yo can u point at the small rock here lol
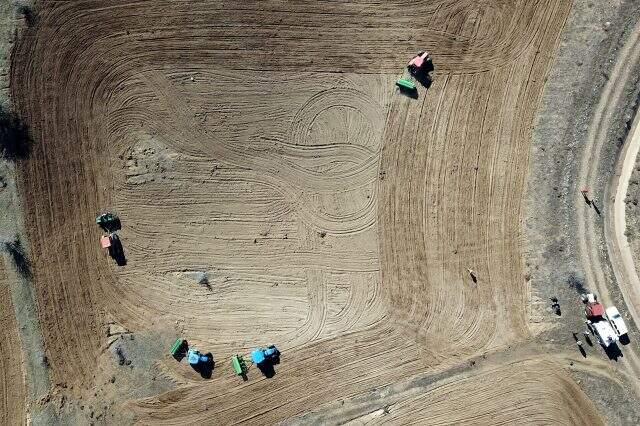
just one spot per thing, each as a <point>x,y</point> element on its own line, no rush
<point>112,379</point>
<point>116,329</point>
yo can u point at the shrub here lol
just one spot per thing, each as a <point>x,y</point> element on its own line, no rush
<point>15,140</point>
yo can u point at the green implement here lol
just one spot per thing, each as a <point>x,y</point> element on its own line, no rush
<point>238,364</point>
<point>405,84</point>
<point>178,347</point>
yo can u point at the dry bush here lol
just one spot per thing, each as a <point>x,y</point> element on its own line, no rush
<point>15,140</point>
<point>26,10</point>
<point>13,247</point>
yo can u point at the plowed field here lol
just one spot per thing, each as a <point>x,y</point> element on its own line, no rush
<point>262,144</point>
<point>561,401</point>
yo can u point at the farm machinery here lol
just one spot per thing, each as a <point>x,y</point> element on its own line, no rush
<point>239,366</point>
<point>110,223</point>
<point>179,348</point>
<point>264,359</point>
<point>270,355</point>
<point>606,324</point>
<point>420,65</point>
<point>200,362</point>
<point>197,359</point>
<point>419,68</point>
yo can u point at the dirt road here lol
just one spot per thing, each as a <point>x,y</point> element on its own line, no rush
<point>587,217</point>
<point>616,224</point>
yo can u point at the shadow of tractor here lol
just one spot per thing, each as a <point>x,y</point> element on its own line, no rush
<point>116,251</point>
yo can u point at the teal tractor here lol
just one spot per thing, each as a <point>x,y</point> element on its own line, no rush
<point>266,359</point>
<point>196,358</point>
<point>202,363</point>
<point>108,222</point>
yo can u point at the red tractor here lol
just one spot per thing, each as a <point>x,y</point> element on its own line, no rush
<point>420,66</point>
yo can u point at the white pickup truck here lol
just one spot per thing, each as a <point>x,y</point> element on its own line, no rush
<point>616,321</point>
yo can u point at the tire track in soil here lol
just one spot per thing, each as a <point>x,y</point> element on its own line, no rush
<point>487,398</point>
<point>90,100</point>
<point>588,176</point>
<point>12,376</point>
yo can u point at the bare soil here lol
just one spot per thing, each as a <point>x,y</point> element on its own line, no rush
<point>576,145</point>
<point>23,376</point>
<point>632,210</point>
<point>263,145</point>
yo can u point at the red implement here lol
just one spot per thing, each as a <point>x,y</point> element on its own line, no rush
<point>105,241</point>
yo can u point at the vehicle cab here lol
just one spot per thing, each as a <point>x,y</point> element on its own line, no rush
<point>616,321</point>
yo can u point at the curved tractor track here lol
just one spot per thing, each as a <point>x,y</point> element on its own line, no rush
<point>262,144</point>
<point>485,396</point>
<point>590,173</point>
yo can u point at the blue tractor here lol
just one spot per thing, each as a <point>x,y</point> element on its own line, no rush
<point>265,359</point>
<point>202,363</point>
<point>196,358</point>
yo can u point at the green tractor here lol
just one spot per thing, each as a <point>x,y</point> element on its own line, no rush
<point>108,222</point>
